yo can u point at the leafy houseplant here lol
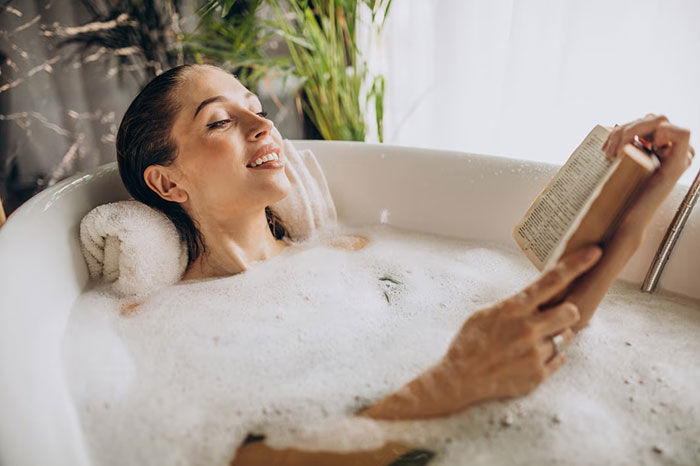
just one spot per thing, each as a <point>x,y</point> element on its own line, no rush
<point>336,88</point>
<point>322,39</point>
<point>230,34</point>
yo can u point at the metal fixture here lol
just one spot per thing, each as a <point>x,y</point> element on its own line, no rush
<point>671,236</point>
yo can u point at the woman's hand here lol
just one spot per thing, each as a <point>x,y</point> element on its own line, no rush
<point>672,144</point>
<point>675,155</point>
<point>503,351</point>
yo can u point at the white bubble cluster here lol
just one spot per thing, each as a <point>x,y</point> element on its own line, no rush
<point>295,345</point>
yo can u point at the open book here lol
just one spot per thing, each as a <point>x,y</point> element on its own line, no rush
<point>585,200</point>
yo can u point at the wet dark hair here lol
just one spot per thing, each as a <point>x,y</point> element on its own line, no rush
<point>144,140</point>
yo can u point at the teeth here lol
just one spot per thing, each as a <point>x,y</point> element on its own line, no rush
<point>266,158</point>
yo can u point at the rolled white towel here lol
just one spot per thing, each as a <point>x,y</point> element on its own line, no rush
<point>309,206</point>
<point>132,245</point>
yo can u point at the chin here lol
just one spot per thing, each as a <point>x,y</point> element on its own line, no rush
<point>279,190</point>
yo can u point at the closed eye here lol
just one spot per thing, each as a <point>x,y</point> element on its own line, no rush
<point>221,123</point>
<point>218,124</point>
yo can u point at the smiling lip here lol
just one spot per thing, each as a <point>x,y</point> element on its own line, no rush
<point>269,165</point>
<point>264,150</point>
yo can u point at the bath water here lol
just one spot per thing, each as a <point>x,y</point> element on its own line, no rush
<point>293,346</point>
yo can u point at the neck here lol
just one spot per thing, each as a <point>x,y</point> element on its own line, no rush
<point>232,245</point>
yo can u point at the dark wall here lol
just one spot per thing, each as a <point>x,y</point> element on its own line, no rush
<point>60,104</point>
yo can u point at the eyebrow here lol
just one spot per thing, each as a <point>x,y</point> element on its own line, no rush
<point>218,98</point>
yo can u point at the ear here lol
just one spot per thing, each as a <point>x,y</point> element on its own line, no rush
<point>160,180</point>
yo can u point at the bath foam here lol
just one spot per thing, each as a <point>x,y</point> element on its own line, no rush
<point>296,344</point>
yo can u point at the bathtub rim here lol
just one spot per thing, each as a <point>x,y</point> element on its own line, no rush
<point>68,444</point>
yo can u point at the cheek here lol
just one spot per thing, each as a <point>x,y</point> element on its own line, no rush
<point>223,148</point>
<point>218,156</point>
<point>214,168</point>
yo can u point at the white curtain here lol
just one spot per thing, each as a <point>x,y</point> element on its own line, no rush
<point>529,79</point>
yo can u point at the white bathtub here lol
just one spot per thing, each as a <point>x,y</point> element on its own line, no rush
<point>42,270</point>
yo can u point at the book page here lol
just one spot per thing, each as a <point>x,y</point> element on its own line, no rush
<point>609,202</point>
<point>556,208</point>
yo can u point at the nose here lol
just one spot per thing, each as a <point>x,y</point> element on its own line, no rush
<point>259,127</point>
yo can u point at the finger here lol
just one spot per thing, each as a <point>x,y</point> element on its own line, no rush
<point>674,137</point>
<point>611,140</point>
<point>557,279</point>
<point>642,127</point>
<point>554,364</point>
<point>555,319</point>
<point>545,349</point>
<point>605,144</point>
<point>626,133</point>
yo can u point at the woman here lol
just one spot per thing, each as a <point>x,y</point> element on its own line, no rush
<point>195,143</point>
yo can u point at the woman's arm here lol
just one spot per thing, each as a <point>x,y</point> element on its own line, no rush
<point>675,155</point>
<point>506,350</point>
<point>590,289</point>
<point>503,351</point>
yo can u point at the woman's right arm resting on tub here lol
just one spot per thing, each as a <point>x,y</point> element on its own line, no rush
<point>504,351</point>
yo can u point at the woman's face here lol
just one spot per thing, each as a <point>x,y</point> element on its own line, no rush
<point>218,131</point>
